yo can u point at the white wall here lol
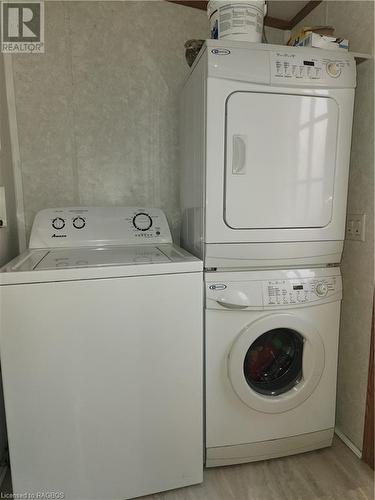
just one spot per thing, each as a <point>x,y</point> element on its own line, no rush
<point>355,20</point>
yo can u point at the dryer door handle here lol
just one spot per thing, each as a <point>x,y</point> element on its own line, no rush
<point>239,155</point>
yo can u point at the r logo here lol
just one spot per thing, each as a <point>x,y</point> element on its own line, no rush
<point>22,25</point>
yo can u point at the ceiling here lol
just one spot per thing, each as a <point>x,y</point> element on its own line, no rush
<point>285,10</point>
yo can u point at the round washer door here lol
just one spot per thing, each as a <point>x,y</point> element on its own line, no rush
<point>276,363</point>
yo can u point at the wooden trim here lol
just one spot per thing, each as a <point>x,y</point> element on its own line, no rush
<point>303,12</point>
<point>274,22</point>
<point>196,4</point>
<point>368,436</point>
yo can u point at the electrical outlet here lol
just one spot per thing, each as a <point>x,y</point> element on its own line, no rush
<point>355,227</point>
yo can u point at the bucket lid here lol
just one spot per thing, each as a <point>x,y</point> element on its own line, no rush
<point>213,5</point>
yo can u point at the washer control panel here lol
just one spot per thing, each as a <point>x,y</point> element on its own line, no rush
<point>272,289</point>
<point>299,291</point>
<point>58,223</point>
<point>93,226</point>
<point>327,70</point>
<point>142,221</point>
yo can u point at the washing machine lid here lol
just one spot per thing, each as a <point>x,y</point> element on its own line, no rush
<point>70,258</point>
<point>65,264</point>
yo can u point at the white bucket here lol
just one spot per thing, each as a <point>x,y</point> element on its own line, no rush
<point>237,20</point>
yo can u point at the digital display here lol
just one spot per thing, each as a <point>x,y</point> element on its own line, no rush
<point>297,287</point>
<point>308,63</point>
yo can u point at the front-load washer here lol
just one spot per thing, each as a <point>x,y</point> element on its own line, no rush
<point>271,362</point>
<point>265,147</point>
<point>102,380</point>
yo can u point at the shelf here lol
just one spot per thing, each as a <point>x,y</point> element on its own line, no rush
<point>359,57</point>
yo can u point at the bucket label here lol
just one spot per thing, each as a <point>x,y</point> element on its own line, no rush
<point>220,52</point>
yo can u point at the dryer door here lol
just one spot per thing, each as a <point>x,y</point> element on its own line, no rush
<point>276,362</point>
<point>280,160</point>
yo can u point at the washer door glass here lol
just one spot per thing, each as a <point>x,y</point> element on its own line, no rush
<point>276,362</point>
<point>273,363</point>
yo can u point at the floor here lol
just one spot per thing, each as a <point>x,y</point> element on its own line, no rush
<point>330,474</point>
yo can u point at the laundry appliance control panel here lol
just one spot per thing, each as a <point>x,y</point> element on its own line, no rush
<point>93,226</point>
<point>284,292</point>
<point>269,289</point>
<point>279,66</point>
<point>293,68</point>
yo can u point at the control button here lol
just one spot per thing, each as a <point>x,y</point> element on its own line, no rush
<point>321,289</point>
<point>142,221</point>
<point>79,222</point>
<point>287,69</point>
<point>333,69</point>
<point>58,223</point>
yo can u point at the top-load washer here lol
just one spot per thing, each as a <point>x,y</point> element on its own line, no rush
<point>265,141</point>
<point>102,380</point>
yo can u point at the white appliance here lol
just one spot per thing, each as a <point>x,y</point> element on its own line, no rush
<point>265,141</point>
<point>271,362</point>
<point>101,356</point>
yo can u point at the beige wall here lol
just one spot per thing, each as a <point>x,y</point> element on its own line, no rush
<point>98,112</point>
<point>275,36</point>
<point>355,20</point>
<point>8,234</point>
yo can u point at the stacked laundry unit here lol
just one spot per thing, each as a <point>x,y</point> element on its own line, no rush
<point>265,143</point>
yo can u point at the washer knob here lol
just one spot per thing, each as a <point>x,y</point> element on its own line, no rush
<point>58,223</point>
<point>321,289</point>
<point>79,222</point>
<point>142,221</point>
<point>333,69</point>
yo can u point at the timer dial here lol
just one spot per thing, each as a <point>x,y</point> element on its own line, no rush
<point>321,289</point>
<point>79,222</point>
<point>142,221</point>
<point>333,69</point>
<point>58,223</point>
